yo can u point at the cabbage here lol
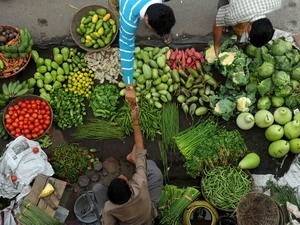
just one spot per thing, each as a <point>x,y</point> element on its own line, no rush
<point>280,47</point>
<point>250,50</point>
<point>265,87</point>
<point>283,91</point>
<point>280,79</point>
<point>296,73</point>
<point>266,69</point>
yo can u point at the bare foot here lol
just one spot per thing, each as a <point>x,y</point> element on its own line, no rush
<point>131,157</point>
<point>297,39</point>
<point>167,38</point>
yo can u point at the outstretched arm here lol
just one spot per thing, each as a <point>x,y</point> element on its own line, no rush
<point>217,36</point>
<point>138,136</point>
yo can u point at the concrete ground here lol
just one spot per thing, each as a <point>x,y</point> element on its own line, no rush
<point>49,20</point>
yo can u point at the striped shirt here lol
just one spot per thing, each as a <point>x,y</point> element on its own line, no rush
<point>240,11</point>
<point>131,11</point>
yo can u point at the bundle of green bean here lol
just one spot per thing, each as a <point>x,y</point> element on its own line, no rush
<point>149,118</point>
<point>169,128</point>
<point>225,186</point>
<point>206,145</point>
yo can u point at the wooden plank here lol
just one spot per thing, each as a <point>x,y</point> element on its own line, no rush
<point>48,204</point>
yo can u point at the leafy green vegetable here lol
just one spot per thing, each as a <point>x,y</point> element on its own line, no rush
<point>280,79</point>
<point>266,69</point>
<point>265,87</point>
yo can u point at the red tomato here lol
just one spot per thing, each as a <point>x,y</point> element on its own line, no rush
<point>13,178</point>
<point>35,150</point>
<point>8,121</point>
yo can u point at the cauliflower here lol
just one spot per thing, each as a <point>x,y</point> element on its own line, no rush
<point>210,55</point>
<point>243,103</point>
<point>226,58</point>
<point>224,108</point>
<point>239,78</point>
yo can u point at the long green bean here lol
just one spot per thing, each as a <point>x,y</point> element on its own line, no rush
<point>225,186</point>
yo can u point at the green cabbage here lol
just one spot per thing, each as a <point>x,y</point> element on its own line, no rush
<point>266,69</point>
<point>296,73</point>
<point>280,47</point>
<point>280,79</point>
<point>265,87</point>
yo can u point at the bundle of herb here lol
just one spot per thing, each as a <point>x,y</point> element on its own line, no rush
<point>206,145</point>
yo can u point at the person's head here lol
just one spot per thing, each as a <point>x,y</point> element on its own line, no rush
<point>118,191</point>
<point>261,32</point>
<point>160,18</point>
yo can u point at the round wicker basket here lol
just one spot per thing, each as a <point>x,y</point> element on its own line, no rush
<point>259,209</point>
<point>16,65</point>
<point>76,22</point>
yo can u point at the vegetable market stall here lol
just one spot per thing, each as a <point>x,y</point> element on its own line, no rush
<point>40,75</point>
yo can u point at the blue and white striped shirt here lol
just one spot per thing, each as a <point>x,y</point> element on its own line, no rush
<point>239,11</point>
<point>130,13</point>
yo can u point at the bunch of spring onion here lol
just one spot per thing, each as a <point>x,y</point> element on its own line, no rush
<point>33,215</point>
<point>169,128</point>
<point>177,204</point>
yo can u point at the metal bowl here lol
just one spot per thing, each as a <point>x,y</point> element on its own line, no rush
<point>77,20</point>
<point>23,98</point>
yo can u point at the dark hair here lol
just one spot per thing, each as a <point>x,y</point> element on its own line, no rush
<point>261,32</point>
<point>118,191</point>
<point>161,18</point>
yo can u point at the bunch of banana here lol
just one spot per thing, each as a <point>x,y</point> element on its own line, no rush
<point>3,133</point>
<point>22,48</point>
<point>14,89</point>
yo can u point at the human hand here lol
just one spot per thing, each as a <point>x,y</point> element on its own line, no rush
<point>130,96</point>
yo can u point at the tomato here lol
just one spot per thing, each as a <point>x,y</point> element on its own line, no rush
<point>35,150</point>
<point>38,101</point>
<point>34,135</point>
<point>7,116</point>
<point>43,103</point>
<point>28,136</point>
<point>47,121</point>
<point>8,121</point>
<point>15,124</point>
<point>13,178</point>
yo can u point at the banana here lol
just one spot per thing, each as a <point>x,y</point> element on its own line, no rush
<point>22,92</point>
<point>5,89</point>
<point>17,89</point>
<point>12,88</point>
<point>48,190</point>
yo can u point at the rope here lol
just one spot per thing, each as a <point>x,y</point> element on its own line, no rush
<point>200,204</point>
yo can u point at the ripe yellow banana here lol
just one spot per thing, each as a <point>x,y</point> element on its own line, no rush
<point>48,190</point>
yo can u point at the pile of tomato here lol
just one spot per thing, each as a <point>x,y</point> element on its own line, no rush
<point>29,118</point>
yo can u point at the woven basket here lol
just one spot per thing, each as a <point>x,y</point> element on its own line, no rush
<point>259,209</point>
<point>13,66</point>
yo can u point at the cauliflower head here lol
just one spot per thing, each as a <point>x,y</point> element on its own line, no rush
<point>243,103</point>
<point>226,58</point>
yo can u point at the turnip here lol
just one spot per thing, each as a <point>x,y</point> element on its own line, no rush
<point>292,129</point>
<point>295,145</point>
<point>282,115</point>
<point>263,118</point>
<point>279,148</point>
<point>274,132</point>
<point>245,121</point>
<point>250,161</point>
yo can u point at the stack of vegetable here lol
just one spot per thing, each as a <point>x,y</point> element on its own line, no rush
<point>97,28</point>
<point>152,76</point>
<point>52,73</point>
<point>206,145</point>
<point>70,161</point>
<point>233,64</point>
<point>225,186</point>
<point>149,119</point>
<point>276,74</point>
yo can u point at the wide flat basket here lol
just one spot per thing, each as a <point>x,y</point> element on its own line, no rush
<point>13,66</point>
<point>259,209</point>
<point>77,20</point>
